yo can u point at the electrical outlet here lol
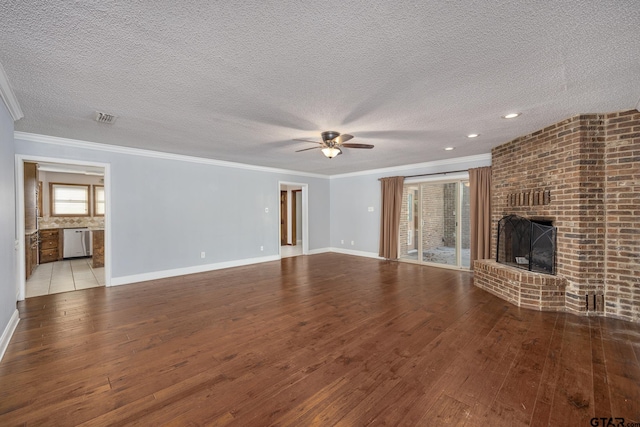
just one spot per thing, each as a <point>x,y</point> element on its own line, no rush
<point>262,248</point>
<point>202,254</point>
<point>342,242</point>
<point>266,210</point>
<point>353,243</point>
<point>370,209</point>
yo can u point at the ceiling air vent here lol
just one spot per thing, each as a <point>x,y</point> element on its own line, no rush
<point>105,118</point>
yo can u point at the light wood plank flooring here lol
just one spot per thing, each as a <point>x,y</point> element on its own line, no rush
<point>327,339</point>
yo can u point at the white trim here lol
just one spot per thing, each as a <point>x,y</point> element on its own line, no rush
<point>155,275</point>
<point>75,143</point>
<point>319,251</point>
<point>305,219</point>
<point>20,254</point>
<point>8,332</point>
<point>356,253</point>
<point>9,97</point>
<point>291,220</point>
<point>435,163</point>
<point>107,224</point>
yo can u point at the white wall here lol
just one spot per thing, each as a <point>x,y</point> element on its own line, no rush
<point>7,225</point>
<point>353,194</point>
<point>164,212</point>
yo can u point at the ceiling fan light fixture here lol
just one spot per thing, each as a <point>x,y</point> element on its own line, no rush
<point>329,135</point>
<point>331,152</point>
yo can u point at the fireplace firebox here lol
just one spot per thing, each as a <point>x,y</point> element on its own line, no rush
<point>527,244</point>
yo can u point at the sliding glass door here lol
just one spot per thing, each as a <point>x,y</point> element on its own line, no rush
<point>434,224</point>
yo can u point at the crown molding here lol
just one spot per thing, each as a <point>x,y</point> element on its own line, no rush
<point>9,98</point>
<point>75,143</point>
<point>426,165</point>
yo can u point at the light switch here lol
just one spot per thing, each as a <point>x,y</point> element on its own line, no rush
<point>370,209</point>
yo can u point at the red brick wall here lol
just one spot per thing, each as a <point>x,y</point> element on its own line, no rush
<point>622,201</point>
<point>580,161</point>
<point>433,216</point>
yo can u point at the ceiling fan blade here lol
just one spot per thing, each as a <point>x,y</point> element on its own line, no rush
<point>308,140</point>
<point>342,138</point>
<point>307,149</point>
<point>357,145</point>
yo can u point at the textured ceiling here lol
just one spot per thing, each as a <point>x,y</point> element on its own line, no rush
<point>237,81</point>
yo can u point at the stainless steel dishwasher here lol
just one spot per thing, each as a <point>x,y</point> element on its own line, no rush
<point>76,242</point>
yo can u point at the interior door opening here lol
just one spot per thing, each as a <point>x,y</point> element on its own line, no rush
<point>293,234</point>
<point>55,198</point>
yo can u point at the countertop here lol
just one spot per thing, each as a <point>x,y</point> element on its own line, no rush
<point>66,228</point>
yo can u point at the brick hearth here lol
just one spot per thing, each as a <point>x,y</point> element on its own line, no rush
<point>520,287</point>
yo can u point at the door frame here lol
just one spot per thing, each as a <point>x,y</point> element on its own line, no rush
<point>20,159</point>
<point>439,179</point>
<point>294,216</point>
<point>305,215</point>
<point>284,226</point>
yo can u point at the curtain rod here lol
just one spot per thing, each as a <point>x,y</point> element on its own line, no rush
<point>435,173</point>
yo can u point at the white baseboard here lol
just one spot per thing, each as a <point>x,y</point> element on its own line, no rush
<point>319,251</point>
<point>8,332</point>
<point>345,251</point>
<point>155,275</point>
<point>356,253</point>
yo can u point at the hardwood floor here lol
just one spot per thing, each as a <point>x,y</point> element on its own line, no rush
<point>326,339</point>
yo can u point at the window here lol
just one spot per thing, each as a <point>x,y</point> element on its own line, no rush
<point>98,200</point>
<point>69,199</point>
<point>435,223</point>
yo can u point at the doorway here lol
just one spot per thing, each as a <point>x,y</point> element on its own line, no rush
<point>435,223</point>
<point>69,196</point>
<point>284,218</point>
<point>293,215</point>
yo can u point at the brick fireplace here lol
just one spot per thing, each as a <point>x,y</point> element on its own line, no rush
<point>582,174</point>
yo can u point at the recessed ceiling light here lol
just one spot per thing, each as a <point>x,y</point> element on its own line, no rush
<point>473,135</point>
<point>511,115</point>
<point>448,149</point>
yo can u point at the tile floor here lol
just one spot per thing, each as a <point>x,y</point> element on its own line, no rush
<point>64,276</point>
<point>289,251</point>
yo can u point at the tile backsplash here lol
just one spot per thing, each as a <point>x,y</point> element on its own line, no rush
<point>93,222</point>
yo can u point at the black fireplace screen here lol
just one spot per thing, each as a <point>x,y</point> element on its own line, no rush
<point>526,244</point>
